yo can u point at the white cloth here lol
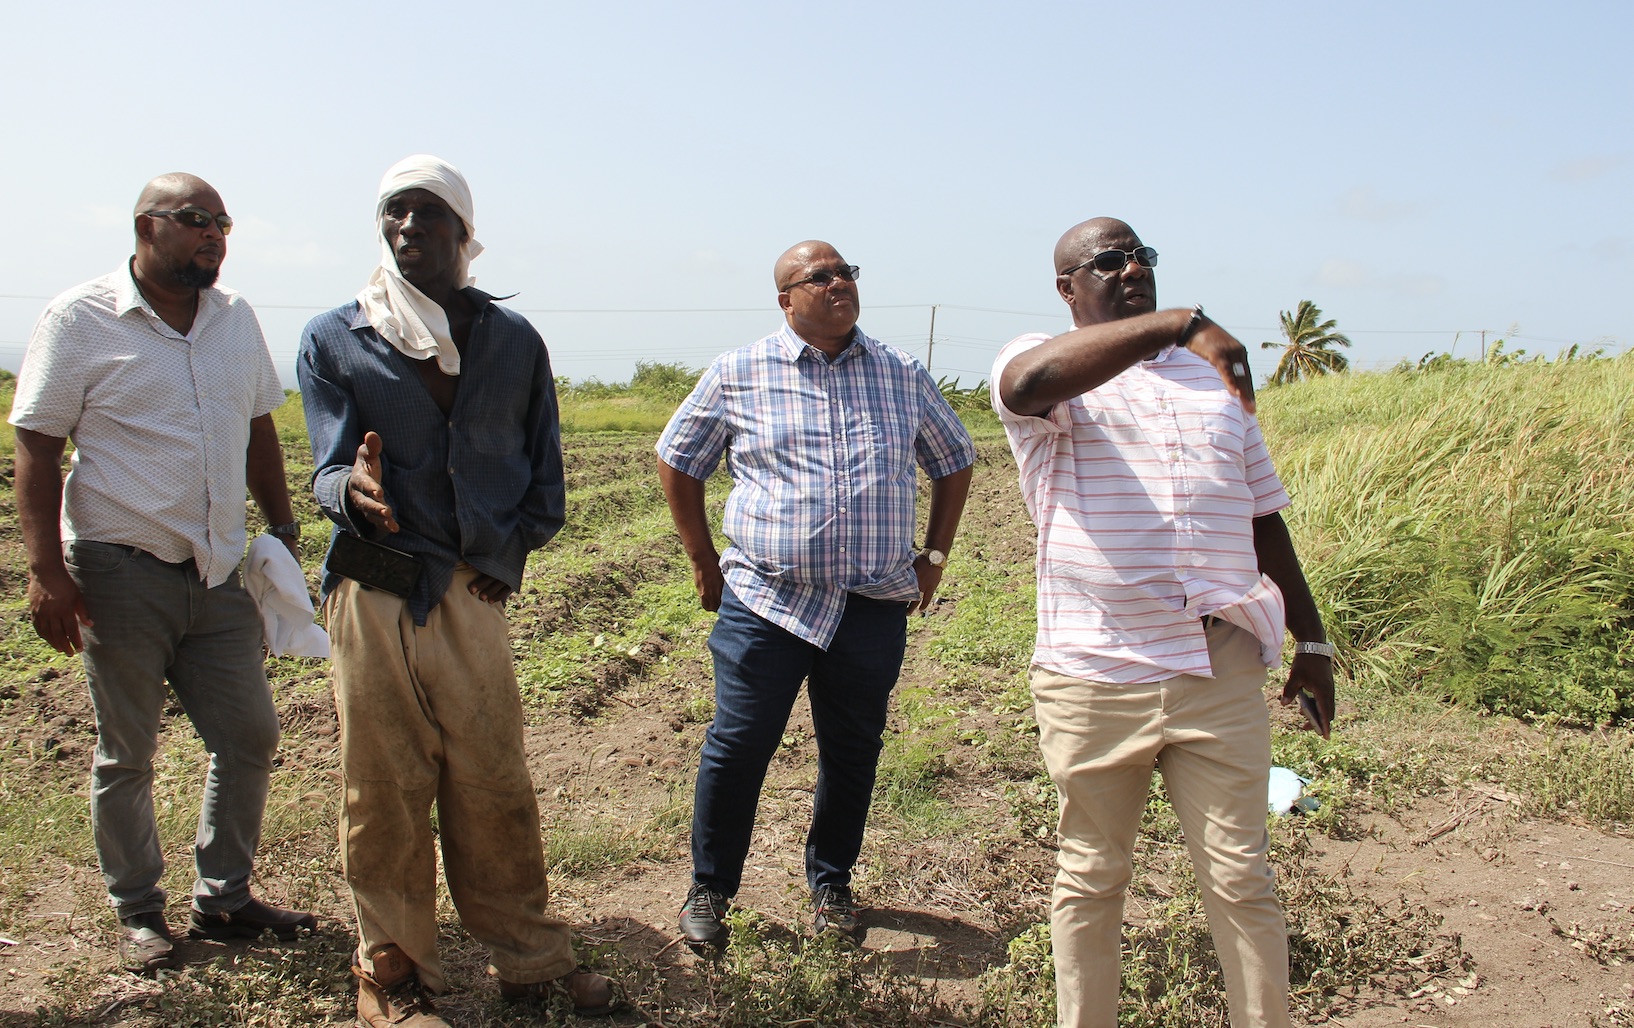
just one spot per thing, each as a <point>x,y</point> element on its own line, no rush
<point>406,318</point>
<point>275,582</point>
<point>160,421</point>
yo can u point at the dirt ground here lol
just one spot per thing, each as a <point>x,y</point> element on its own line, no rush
<point>1529,901</point>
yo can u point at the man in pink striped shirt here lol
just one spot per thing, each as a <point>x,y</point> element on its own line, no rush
<point>1165,579</point>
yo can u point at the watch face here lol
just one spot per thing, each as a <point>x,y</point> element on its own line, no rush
<point>936,557</point>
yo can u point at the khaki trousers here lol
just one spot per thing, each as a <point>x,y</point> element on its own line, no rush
<point>1211,740</point>
<point>431,715</point>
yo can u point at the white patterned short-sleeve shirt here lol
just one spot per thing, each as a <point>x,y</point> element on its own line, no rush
<point>1144,491</point>
<point>160,421</point>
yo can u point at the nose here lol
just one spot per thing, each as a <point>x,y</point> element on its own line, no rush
<point>1135,269</point>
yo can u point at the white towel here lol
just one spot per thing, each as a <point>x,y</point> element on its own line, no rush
<point>405,317</point>
<point>275,582</point>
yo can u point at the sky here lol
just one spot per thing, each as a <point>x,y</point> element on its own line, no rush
<point>1425,173</point>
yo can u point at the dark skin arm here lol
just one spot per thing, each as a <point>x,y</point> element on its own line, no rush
<point>54,602</point>
<point>1075,362</point>
<point>1310,673</point>
<point>947,504</point>
<point>685,496</point>
<point>264,472</point>
<point>367,498</point>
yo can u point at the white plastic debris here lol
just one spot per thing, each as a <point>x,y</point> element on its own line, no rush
<point>1287,793</point>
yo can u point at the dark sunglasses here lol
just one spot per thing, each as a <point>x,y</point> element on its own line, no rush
<point>195,217</point>
<point>1117,260</point>
<point>824,279</point>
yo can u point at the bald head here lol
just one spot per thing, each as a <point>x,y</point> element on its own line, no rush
<point>166,192</point>
<point>1083,240</point>
<point>797,257</point>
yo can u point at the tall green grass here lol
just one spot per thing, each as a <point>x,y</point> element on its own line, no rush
<point>1470,531</point>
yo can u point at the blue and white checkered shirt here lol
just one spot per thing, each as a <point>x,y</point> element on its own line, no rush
<point>822,456</point>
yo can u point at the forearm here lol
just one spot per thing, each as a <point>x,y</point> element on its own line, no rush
<point>264,472</point>
<point>947,504</point>
<point>1278,561</point>
<point>38,480</point>
<point>1080,360</point>
<point>685,496</point>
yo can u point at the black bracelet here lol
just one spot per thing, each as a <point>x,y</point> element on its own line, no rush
<point>1196,322</point>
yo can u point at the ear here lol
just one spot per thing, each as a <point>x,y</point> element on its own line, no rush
<point>144,228</point>
<point>1063,285</point>
<point>785,301</point>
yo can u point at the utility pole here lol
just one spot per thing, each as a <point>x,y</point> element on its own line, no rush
<point>930,347</point>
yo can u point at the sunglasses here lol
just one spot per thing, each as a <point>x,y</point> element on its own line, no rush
<point>824,279</point>
<point>195,217</point>
<point>1116,260</point>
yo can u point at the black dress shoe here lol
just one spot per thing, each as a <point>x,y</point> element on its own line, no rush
<point>249,921</point>
<point>147,945</point>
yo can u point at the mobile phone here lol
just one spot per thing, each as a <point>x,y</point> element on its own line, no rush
<point>1313,713</point>
<point>373,565</point>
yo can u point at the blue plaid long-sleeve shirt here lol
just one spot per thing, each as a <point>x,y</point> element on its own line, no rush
<point>822,456</point>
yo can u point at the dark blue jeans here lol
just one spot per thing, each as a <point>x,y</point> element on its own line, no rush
<point>758,671</point>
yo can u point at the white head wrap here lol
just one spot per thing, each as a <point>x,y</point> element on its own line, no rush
<point>405,317</point>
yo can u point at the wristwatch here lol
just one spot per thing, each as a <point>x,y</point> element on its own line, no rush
<point>289,531</point>
<point>936,557</point>
<point>1320,649</point>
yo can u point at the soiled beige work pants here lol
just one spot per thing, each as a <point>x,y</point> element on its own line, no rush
<point>432,715</point>
<point>1211,740</point>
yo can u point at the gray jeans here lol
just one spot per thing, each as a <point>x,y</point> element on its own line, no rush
<point>154,621</point>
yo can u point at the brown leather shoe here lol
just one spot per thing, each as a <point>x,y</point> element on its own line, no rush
<point>147,945</point>
<point>591,994</point>
<point>392,997</point>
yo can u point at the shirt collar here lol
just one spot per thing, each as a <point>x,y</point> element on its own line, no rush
<point>795,347</point>
<point>128,296</point>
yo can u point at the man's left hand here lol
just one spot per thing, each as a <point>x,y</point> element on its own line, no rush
<point>1312,673</point>
<point>930,576</point>
<point>489,589</point>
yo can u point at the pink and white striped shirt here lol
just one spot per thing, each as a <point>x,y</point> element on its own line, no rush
<point>1144,491</point>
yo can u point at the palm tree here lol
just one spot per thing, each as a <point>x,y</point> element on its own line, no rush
<point>1309,348</point>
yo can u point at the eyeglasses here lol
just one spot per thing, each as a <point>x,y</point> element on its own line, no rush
<point>1117,260</point>
<point>825,278</point>
<point>196,217</point>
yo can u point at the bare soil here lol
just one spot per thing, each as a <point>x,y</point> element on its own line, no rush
<point>1530,902</point>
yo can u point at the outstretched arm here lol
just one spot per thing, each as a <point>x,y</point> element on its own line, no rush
<point>1076,362</point>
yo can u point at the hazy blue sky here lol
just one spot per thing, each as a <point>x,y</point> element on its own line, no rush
<point>1416,169</point>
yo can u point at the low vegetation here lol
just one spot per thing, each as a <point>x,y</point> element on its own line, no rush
<point>1468,531</point>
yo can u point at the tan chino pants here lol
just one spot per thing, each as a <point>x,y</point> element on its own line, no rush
<point>1211,740</point>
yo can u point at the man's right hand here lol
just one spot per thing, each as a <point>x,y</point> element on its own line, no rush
<point>708,580</point>
<point>57,610</point>
<point>364,491</point>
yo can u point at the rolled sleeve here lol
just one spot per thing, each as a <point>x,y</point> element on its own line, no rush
<point>698,433</point>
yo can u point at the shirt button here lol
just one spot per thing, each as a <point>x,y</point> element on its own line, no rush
<point>842,549</point>
<point>450,471</point>
<point>1198,560</point>
<point>842,510</point>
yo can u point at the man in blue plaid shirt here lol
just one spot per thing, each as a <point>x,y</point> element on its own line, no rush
<point>822,428</point>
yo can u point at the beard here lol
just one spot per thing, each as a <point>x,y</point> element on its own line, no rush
<point>195,276</point>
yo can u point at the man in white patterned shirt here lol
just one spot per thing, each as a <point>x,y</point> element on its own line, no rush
<point>1165,577</point>
<point>822,427</point>
<point>164,383</point>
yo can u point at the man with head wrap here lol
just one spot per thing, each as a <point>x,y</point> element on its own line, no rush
<point>163,381</point>
<point>433,423</point>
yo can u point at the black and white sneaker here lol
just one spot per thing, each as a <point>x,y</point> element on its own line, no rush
<point>701,916</point>
<point>835,910</point>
